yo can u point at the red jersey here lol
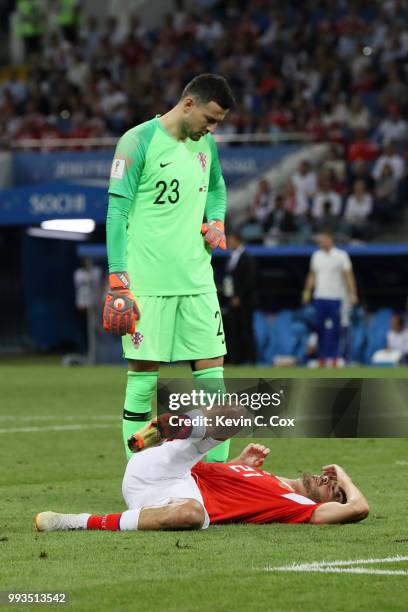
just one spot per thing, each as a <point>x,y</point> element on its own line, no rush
<point>235,493</point>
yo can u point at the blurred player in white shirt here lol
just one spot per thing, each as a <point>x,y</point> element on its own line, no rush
<point>330,281</point>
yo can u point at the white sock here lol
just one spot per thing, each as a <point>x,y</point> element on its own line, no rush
<point>129,520</point>
<point>83,520</point>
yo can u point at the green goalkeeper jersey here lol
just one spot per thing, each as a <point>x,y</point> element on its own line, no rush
<point>167,188</point>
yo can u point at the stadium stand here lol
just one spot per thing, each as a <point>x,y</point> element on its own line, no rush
<point>84,78</point>
<point>345,87</point>
<point>349,76</point>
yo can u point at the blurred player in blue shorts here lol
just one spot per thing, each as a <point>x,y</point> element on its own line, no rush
<point>330,281</point>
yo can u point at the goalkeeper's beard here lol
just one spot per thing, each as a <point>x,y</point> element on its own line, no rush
<point>187,132</point>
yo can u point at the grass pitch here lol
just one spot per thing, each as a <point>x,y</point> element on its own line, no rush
<point>61,449</point>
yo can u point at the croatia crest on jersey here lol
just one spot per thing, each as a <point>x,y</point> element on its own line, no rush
<point>202,158</point>
<point>137,339</point>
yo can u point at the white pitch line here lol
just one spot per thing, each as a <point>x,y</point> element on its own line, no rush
<point>55,428</point>
<point>343,570</point>
<point>396,559</point>
<point>341,566</point>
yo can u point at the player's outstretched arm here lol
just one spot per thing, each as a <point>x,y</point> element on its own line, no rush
<point>354,510</point>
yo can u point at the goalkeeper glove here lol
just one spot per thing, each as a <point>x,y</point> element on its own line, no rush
<point>214,234</point>
<point>121,311</point>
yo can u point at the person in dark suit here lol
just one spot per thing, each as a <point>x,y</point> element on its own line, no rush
<point>239,289</point>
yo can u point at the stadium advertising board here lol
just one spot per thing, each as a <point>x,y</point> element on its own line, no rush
<point>241,163</point>
<point>32,204</point>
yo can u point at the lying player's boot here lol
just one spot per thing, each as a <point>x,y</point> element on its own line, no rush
<point>54,521</point>
<point>146,437</point>
<point>159,430</point>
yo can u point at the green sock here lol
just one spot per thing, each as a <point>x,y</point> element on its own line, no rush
<point>212,380</point>
<point>137,412</point>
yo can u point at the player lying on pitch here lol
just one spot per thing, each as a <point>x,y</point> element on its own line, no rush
<point>168,487</point>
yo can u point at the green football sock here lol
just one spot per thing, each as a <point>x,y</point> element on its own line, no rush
<point>137,412</point>
<point>212,381</point>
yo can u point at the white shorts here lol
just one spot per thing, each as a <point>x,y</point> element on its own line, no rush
<point>161,475</point>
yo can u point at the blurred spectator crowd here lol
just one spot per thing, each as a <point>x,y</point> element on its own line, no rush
<point>334,68</point>
<point>352,199</point>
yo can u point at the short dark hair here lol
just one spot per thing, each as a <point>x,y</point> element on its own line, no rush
<point>210,88</point>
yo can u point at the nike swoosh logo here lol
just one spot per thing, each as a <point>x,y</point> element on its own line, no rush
<point>164,165</point>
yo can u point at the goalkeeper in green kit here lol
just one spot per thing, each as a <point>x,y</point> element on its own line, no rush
<point>167,202</point>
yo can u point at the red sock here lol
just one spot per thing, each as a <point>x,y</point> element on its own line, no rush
<point>106,522</point>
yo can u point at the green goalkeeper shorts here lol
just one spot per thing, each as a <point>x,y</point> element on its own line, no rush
<point>177,328</point>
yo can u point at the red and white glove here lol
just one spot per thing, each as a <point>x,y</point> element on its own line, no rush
<point>120,311</point>
<point>214,234</point>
